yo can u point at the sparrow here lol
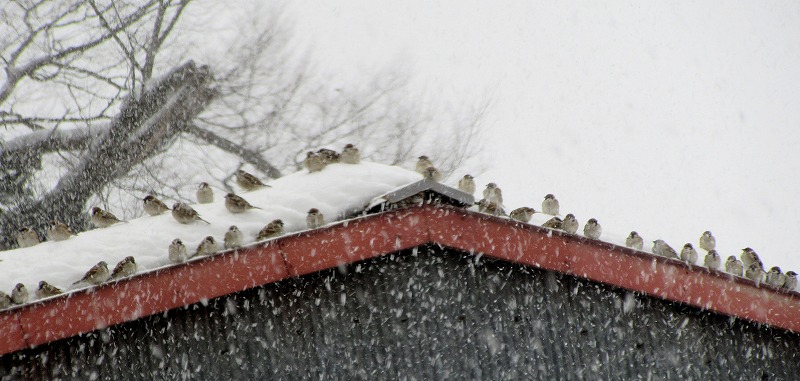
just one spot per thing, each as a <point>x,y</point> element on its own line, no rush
<point>26,237</point>
<point>707,241</point>
<point>205,195</point>
<point>493,194</point>
<point>689,254</point>
<point>47,290</point>
<point>207,246</point>
<point>177,251</point>
<point>734,266</point>
<point>431,173</point>
<point>553,223</point>
<point>570,224</point>
<point>791,281</point>
<point>248,182</point>
<point>754,272</point>
<point>550,205</point>
<point>184,213</point>
<point>5,300</point>
<point>58,231</point>
<point>153,206</point>
<point>350,155</point>
<point>489,207</point>
<point>233,237</point>
<point>634,241</point>
<point>712,260</point>
<point>313,163</point>
<point>592,229</point>
<point>103,219</point>
<point>273,229</point>
<point>775,277</point>
<point>328,156</point>
<point>663,249</point>
<point>97,274</point>
<point>19,295</point>
<point>422,164</point>
<point>748,257</point>
<point>314,219</point>
<point>467,184</point>
<point>523,214</point>
<point>126,267</point>
<point>236,204</point>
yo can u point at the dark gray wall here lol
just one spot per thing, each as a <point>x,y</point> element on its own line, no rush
<point>423,315</point>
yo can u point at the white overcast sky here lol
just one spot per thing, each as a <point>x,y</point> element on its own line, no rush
<point>669,118</point>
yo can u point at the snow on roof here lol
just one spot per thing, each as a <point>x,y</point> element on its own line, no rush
<point>335,191</point>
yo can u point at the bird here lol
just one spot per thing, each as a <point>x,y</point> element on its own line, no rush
<point>754,272</point>
<point>153,206</point>
<point>775,277</point>
<point>554,223</point>
<point>634,241</point>
<point>328,156</point>
<point>103,219</point>
<point>207,246</point>
<point>236,204</point>
<point>5,300</point>
<point>592,229</point>
<point>489,207</point>
<point>550,205</point>
<point>177,251</point>
<point>26,237</point>
<point>689,254</point>
<point>748,257</point>
<point>791,281</point>
<point>707,241</point>
<point>431,173</point>
<point>19,295</point>
<point>522,214</point>
<point>422,164</point>
<point>712,260</point>
<point>313,163</point>
<point>467,184</point>
<point>58,231</point>
<point>734,266</point>
<point>205,195</point>
<point>273,229</point>
<point>233,237</point>
<point>184,213</point>
<point>248,182</point>
<point>97,274</point>
<point>493,194</point>
<point>47,290</point>
<point>126,267</point>
<point>350,155</point>
<point>663,249</point>
<point>570,224</point>
<point>315,218</point>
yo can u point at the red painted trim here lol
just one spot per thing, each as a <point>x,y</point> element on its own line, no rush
<point>347,242</point>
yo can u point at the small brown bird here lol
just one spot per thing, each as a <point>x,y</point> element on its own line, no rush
<point>489,207</point>
<point>315,218</point>
<point>689,254</point>
<point>791,281</point>
<point>634,241</point>
<point>207,246</point>
<point>554,223</point>
<point>328,156</point>
<point>422,164</point>
<point>58,231</point>
<point>236,204</point>
<point>775,277</point>
<point>663,249</point>
<point>550,205</point>
<point>97,274</point>
<point>126,267</point>
<point>184,213</point>
<point>754,272</point>
<point>712,260</point>
<point>248,182</point>
<point>707,241</point>
<point>103,219</point>
<point>734,266</point>
<point>27,237</point>
<point>571,223</point>
<point>205,195</point>
<point>467,184</point>
<point>19,295</point>
<point>313,163</point>
<point>47,290</point>
<point>5,300</point>
<point>153,206</point>
<point>432,173</point>
<point>350,155</point>
<point>273,229</point>
<point>748,257</point>
<point>233,237</point>
<point>493,194</point>
<point>177,251</point>
<point>592,229</point>
<point>522,214</point>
